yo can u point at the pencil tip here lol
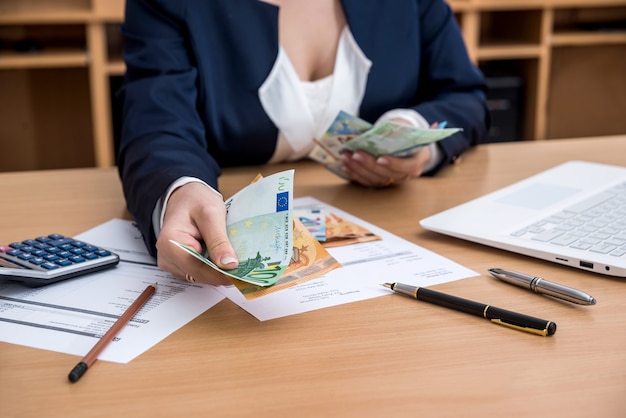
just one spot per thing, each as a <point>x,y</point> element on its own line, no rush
<point>593,301</point>
<point>387,285</point>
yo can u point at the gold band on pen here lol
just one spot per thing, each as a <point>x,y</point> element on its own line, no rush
<point>542,332</point>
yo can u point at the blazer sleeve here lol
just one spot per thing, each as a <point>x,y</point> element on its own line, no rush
<point>451,86</point>
<point>159,111</point>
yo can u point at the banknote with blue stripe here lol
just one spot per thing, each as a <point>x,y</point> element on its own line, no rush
<point>259,223</point>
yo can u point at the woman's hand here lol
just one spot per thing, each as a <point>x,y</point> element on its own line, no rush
<point>195,216</point>
<point>385,170</point>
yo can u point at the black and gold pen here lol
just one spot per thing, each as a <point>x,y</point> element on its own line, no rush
<point>499,316</point>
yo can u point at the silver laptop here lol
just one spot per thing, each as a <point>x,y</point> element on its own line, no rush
<point>573,214</point>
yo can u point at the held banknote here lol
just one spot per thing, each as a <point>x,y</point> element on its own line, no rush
<point>390,138</point>
<point>348,132</point>
<point>309,260</point>
<point>344,127</point>
<point>259,223</point>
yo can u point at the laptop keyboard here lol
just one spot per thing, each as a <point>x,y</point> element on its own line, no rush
<point>597,224</point>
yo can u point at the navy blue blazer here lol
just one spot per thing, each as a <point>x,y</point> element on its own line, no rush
<point>190,94</point>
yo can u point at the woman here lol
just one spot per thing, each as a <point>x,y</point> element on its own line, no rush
<point>219,83</point>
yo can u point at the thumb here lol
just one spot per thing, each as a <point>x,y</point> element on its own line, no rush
<point>219,248</point>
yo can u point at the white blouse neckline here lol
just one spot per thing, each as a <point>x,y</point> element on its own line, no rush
<point>303,110</point>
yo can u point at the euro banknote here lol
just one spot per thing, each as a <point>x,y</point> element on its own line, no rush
<point>259,223</point>
<point>351,133</point>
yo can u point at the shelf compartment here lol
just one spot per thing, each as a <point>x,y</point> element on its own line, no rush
<point>526,71</point>
<point>38,46</point>
<point>590,19</point>
<point>579,104</point>
<point>589,26</point>
<point>46,119</point>
<point>506,29</point>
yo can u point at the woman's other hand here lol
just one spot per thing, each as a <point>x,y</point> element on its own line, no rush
<point>385,170</point>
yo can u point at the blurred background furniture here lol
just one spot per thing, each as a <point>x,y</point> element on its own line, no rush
<point>556,68</point>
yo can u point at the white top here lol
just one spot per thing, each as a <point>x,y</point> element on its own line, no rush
<point>303,110</point>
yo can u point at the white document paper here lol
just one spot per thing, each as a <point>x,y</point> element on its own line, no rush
<point>70,316</point>
<point>365,266</point>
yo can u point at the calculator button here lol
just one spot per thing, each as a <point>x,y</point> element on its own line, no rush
<point>78,244</point>
<point>90,256</point>
<point>63,262</point>
<point>37,261</point>
<point>77,259</point>
<point>43,240</point>
<point>60,241</point>
<point>14,253</point>
<point>25,256</point>
<point>103,253</point>
<point>77,251</point>
<point>49,266</point>
<point>56,236</point>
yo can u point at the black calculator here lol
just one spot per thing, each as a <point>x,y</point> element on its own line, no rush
<point>51,258</point>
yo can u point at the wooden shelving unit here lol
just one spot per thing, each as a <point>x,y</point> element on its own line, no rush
<point>58,59</point>
<point>569,54</point>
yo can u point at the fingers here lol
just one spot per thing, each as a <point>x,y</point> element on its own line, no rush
<point>385,170</point>
<point>195,216</point>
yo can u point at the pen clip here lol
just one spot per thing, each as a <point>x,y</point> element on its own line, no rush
<point>542,332</point>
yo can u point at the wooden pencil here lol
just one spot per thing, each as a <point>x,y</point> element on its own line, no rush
<point>92,355</point>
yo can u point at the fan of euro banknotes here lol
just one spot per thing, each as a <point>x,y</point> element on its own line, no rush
<point>277,248</point>
<point>348,132</point>
<point>274,248</point>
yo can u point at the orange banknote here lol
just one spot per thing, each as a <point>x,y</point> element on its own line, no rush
<point>339,232</point>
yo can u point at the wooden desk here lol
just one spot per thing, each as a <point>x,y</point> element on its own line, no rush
<point>389,356</point>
